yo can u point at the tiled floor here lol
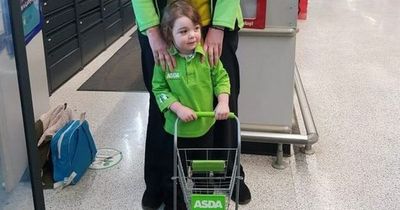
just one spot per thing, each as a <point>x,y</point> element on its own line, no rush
<point>118,120</point>
<point>348,55</point>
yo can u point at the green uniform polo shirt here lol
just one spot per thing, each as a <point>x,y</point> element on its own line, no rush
<point>193,83</point>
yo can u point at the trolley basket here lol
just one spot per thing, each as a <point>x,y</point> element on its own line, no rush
<point>207,183</point>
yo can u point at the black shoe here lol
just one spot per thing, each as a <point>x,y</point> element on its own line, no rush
<point>151,200</point>
<point>244,194</point>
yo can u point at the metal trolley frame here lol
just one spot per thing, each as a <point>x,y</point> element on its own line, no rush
<point>208,182</point>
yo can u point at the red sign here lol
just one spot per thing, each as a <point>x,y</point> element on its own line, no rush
<point>302,14</point>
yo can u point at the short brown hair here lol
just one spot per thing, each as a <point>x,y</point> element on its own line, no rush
<point>175,10</point>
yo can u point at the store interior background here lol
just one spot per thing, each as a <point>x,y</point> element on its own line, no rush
<point>347,53</point>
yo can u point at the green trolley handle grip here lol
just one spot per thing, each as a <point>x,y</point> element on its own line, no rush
<point>212,114</point>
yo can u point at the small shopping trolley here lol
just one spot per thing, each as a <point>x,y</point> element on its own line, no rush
<point>207,182</point>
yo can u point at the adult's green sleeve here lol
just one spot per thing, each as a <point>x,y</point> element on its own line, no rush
<point>226,13</point>
<point>145,13</point>
<point>161,90</point>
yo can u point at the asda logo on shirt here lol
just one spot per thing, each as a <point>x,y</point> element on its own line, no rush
<point>173,75</point>
<point>212,201</point>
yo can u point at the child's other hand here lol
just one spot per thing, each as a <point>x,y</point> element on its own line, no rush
<point>186,114</point>
<point>222,111</point>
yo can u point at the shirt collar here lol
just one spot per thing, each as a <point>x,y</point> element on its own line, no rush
<point>198,50</point>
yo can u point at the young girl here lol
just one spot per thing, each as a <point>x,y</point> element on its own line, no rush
<point>191,86</point>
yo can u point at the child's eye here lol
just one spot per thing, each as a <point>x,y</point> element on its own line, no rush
<point>183,31</point>
<point>197,28</point>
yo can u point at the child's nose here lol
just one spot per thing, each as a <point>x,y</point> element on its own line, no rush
<point>191,34</point>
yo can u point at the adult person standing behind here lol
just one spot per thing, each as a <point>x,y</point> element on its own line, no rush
<point>221,21</point>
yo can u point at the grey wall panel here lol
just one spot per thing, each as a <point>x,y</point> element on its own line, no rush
<point>266,59</point>
<point>282,13</point>
<point>266,71</point>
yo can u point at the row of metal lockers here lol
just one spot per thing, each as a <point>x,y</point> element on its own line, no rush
<point>76,31</point>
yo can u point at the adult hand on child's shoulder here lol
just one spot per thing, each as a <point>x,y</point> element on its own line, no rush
<point>160,49</point>
<point>213,45</point>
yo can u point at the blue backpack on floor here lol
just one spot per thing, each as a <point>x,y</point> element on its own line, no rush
<point>72,152</point>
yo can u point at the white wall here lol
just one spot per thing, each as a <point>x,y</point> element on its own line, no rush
<point>38,75</point>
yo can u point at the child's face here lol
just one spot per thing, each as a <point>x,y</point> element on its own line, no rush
<point>186,35</point>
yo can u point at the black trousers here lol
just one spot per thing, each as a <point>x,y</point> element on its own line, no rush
<point>225,131</point>
<point>158,152</point>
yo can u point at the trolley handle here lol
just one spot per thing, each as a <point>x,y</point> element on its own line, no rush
<point>212,114</point>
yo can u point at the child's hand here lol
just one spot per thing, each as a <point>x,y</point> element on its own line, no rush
<point>221,111</point>
<point>184,113</point>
